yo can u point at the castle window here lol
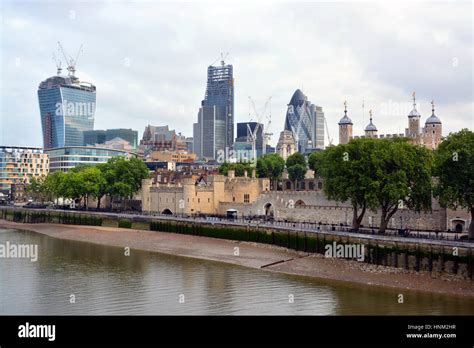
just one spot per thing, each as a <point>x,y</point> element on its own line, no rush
<point>199,200</point>
<point>320,185</point>
<point>433,132</point>
<point>246,198</point>
<point>233,199</point>
<point>208,200</point>
<point>311,185</point>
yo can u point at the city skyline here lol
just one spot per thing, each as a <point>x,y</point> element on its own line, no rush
<point>163,85</point>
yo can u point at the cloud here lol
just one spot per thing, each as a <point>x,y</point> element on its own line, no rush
<point>149,60</point>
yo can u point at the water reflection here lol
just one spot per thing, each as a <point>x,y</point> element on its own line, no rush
<point>105,281</point>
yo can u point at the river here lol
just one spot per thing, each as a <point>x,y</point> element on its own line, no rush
<point>104,282</point>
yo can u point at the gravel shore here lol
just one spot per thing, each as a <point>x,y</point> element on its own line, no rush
<point>253,255</point>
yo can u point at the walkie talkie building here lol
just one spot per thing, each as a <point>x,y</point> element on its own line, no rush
<point>67,108</point>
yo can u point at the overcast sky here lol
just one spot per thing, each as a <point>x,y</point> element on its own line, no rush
<point>149,60</point>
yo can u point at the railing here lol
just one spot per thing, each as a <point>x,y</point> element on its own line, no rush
<point>261,221</point>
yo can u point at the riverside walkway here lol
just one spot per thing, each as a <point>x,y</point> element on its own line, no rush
<point>447,239</point>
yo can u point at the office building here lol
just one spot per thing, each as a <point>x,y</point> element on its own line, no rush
<point>216,115</point>
<point>306,121</point>
<point>67,108</point>
<point>93,137</point>
<point>66,158</point>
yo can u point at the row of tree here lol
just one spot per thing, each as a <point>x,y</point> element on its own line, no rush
<point>119,177</point>
<point>387,174</point>
<point>383,174</point>
<point>270,166</point>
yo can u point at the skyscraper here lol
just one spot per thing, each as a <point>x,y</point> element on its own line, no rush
<point>306,121</point>
<point>216,115</point>
<point>244,135</point>
<point>67,107</point>
<point>210,132</point>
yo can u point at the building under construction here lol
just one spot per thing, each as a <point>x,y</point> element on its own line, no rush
<point>214,130</point>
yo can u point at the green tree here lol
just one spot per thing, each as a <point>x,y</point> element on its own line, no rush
<point>271,166</point>
<point>124,176</point>
<point>72,185</point>
<point>224,168</point>
<point>401,176</point>
<point>92,180</point>
<point>346,170</point>
<point>53,184</point>
<point>296,167</point>
<point>314,160</point>
<point>296,172</point>
<point>36,189</point>
<point>454,169</point>
<point>239,168</point>
<point>296,158</point>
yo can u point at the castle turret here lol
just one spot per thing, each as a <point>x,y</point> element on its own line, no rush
<point>433,130</point>
<point>413,130</point>
<point>345,127</point>
<point>371,129</point>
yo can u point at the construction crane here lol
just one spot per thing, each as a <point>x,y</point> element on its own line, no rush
<point>252,134</point>
<point>222,59</point>
<point>267,135</point>
<point>58,64</point>
<point>327,131</point>
<point>71,62</point>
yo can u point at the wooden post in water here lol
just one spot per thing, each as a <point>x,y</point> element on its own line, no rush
<point>430,262</point>
<point>417,258</point>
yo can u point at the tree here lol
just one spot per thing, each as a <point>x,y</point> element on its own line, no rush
<point>36,188</point>
<point>124,176</point>
<point>454,169</point>
<point>92,180</point>
<point>72,186</point>
<point>271,166</point>
<point>296,158</point>
<point>346,170</point>
<point>296,167</point>
<point>314,160</point>
<point>239,168</point>
<point>53,184</point>
<point>296,172</point>
<point>401,176</point>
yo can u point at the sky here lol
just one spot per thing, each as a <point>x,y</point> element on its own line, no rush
<point>149,60</point>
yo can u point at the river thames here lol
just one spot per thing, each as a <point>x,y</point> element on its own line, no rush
<point>105,282</point>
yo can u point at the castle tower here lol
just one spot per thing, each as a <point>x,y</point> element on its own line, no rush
<point>413,130</point>
<point>432,131</point>
<point>371,129</point>
<point>345,127</point>
<point>286,144</point>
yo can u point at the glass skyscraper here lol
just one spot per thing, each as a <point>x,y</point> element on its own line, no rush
<point>306,121</point>
<point>216,115</point>
<point>67,108</point>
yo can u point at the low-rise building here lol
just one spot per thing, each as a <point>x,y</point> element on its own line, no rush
<point>19,164</point>
<point>66,158</point>
<point>172,156</point>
